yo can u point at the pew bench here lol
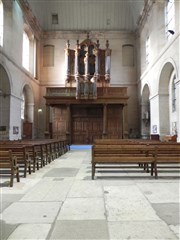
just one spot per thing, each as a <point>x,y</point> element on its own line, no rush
<point>106,154</point>
<point>8,165</point>
<point>22,157</point>
<point>167,154</point>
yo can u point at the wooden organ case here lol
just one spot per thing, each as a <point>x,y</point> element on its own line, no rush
<point>87,107</point>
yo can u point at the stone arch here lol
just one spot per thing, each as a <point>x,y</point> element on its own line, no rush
<point>165,77</point>
<point>5,93</point>
<point>28,112</point>
<point>145,112</point>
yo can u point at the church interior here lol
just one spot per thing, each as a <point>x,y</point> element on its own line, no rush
<point>51,52</point>
<point>89,119</point>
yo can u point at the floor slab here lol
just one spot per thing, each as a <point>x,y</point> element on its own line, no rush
<point>80,230</point>
<point>146,230</point>
<point>129,210</point>
<point>30,231</point>
<point>49,189</point>
<point>6,229</point>
<point>62,172</point>
<point>168,212</point>
<point>161,192</point>
<point>35,212</point>
<point>84,189</point>
<point>82,209</point>
<point>124,192</point>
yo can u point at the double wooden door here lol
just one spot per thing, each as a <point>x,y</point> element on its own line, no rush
<point>86,123</point>
<point>83,123</point>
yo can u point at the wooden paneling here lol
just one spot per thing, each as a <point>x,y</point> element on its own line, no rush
<point>114,121</point>
<point>86,123</point>
<point>27,130</point>
<point>59,121</point>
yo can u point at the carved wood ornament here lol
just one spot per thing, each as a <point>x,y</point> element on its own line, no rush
<point>87,67</point>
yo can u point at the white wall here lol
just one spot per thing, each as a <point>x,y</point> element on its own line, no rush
<point>162,52</point>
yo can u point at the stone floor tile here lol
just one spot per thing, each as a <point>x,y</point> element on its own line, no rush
<point>62,172</point>
<point>168,212</point>
<point>176,230</point>
<point>36,212</point>
<point>49,189</point>
<point>143,230</point>
<point>164,192</point>
<point>129,210</point>
<point>80,230</point>
<point>117,182</point>
<point>30,232</point>
<point>124,192</point>
<point>82,209</point>
<point>39,191</point>
<point>6,229</point>
<point>86,189</point>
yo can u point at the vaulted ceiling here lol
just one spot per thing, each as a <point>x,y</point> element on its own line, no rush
<point>87,14</point>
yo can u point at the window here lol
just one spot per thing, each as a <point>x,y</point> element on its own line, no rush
<point>55,18</point>
<point>26,48</point>
<point>29,51</point>
<point>170,18</point>
<point>173,92</point>
<point>1,23</point>
<point>147,50</point>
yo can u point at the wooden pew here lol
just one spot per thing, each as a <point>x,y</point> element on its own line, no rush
<point>8,165</point>
<point>167,154</point>
<point>37,152</point>
<point>164,152</point>
<point>22,156</point>
<point>106,154</point>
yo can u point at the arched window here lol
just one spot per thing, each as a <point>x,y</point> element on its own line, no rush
<point>1,23</point>
<point>170,18</point>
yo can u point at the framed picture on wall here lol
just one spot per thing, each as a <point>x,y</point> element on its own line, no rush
<point>15,130</point>
<point>154,128</point>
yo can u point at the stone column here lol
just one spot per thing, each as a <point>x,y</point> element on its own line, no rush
<point>107,62</point>
<point>68,123</point>
<point>47,134</point>
<point>77,51</point>
<point>67,62</point>
<point>178,110</point>
<point>86,81</point>
<point>96,53</point>
<point>77,77</point>
<point>104,121</point>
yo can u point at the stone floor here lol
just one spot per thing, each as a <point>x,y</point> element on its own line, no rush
<point>60,201</point>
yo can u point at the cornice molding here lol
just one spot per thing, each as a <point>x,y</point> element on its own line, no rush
<point>30,18</point>
<point>145,13</point>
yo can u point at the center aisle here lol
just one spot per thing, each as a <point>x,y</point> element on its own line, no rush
<point>61,202</point>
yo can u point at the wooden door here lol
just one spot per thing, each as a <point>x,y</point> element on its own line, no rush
<point>115,121</point>
<point>87,123</point>
<point>27,130</point>
<point>59,122</point>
